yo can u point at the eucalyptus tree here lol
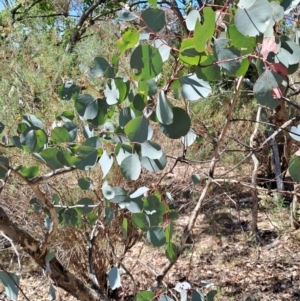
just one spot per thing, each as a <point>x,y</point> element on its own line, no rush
<point>114,124</point>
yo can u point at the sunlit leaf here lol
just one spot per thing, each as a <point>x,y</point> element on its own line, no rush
<point>253,17</point>
<point>204,32</point>
<point>194,88</point>
<point>137,129</point>
<point>191,19</point>
<point>131,167</point>
<point>147,61</point>
<point>114,278</point>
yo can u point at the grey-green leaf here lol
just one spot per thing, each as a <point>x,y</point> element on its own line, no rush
<point>264,86</point>
<point>154,165</point>
<point>100,66</point>
<point>86,106</point>
<point>179,127</point>
<point>229,54</point>
<point>87,205</point>
<point>254,17</point>
<point>151,150</point>
<point>194,88</point>
<point>106,161</point>
<point>164,111</point>
<point>154,19</point>
<point>156,236</point>
<point>11,284</point>
<point>131,167</point>
<point>108,191</point>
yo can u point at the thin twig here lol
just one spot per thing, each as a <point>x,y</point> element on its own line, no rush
<point>15,249</point>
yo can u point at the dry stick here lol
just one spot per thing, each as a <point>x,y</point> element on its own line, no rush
<point>195,213</point>
<point>45,202</point>
<point>254,173</point>
<point>15,249</point>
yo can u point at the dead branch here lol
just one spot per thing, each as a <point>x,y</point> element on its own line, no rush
<point>61,276</point>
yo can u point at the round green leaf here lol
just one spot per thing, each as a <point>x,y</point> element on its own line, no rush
<point>86,106</point>
<point>66,116</point>
<point>72,130</point>
<point>141,221</point>
<point>35,140</point>
<point>204,32</point>
<point>59,135</point>
<point>29,172</point>
<point>133,205</point>
<point>65,157</point>
<point>120,195</point>
<point>179,127</point>
<point>126,15</point>
<point>85,183</point>
<point>93,142</point>
<point>71,217</point>
<point>125,116</point>
<point>196,178</point>
<point>156,236</point>
<point>207,71</point>
<point>137,129</point>
<point>189,138</point>
<point>228,54</point>
<point>264,86</point>
<point>50,156</point>
<point>154,19</point>
<point>86,202</point>
<point>11,284</point>
<point>188,54</point>
<point>86,157</point>
<point>147,61</point>
<point>32,121</point>
<point>128,40</point>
